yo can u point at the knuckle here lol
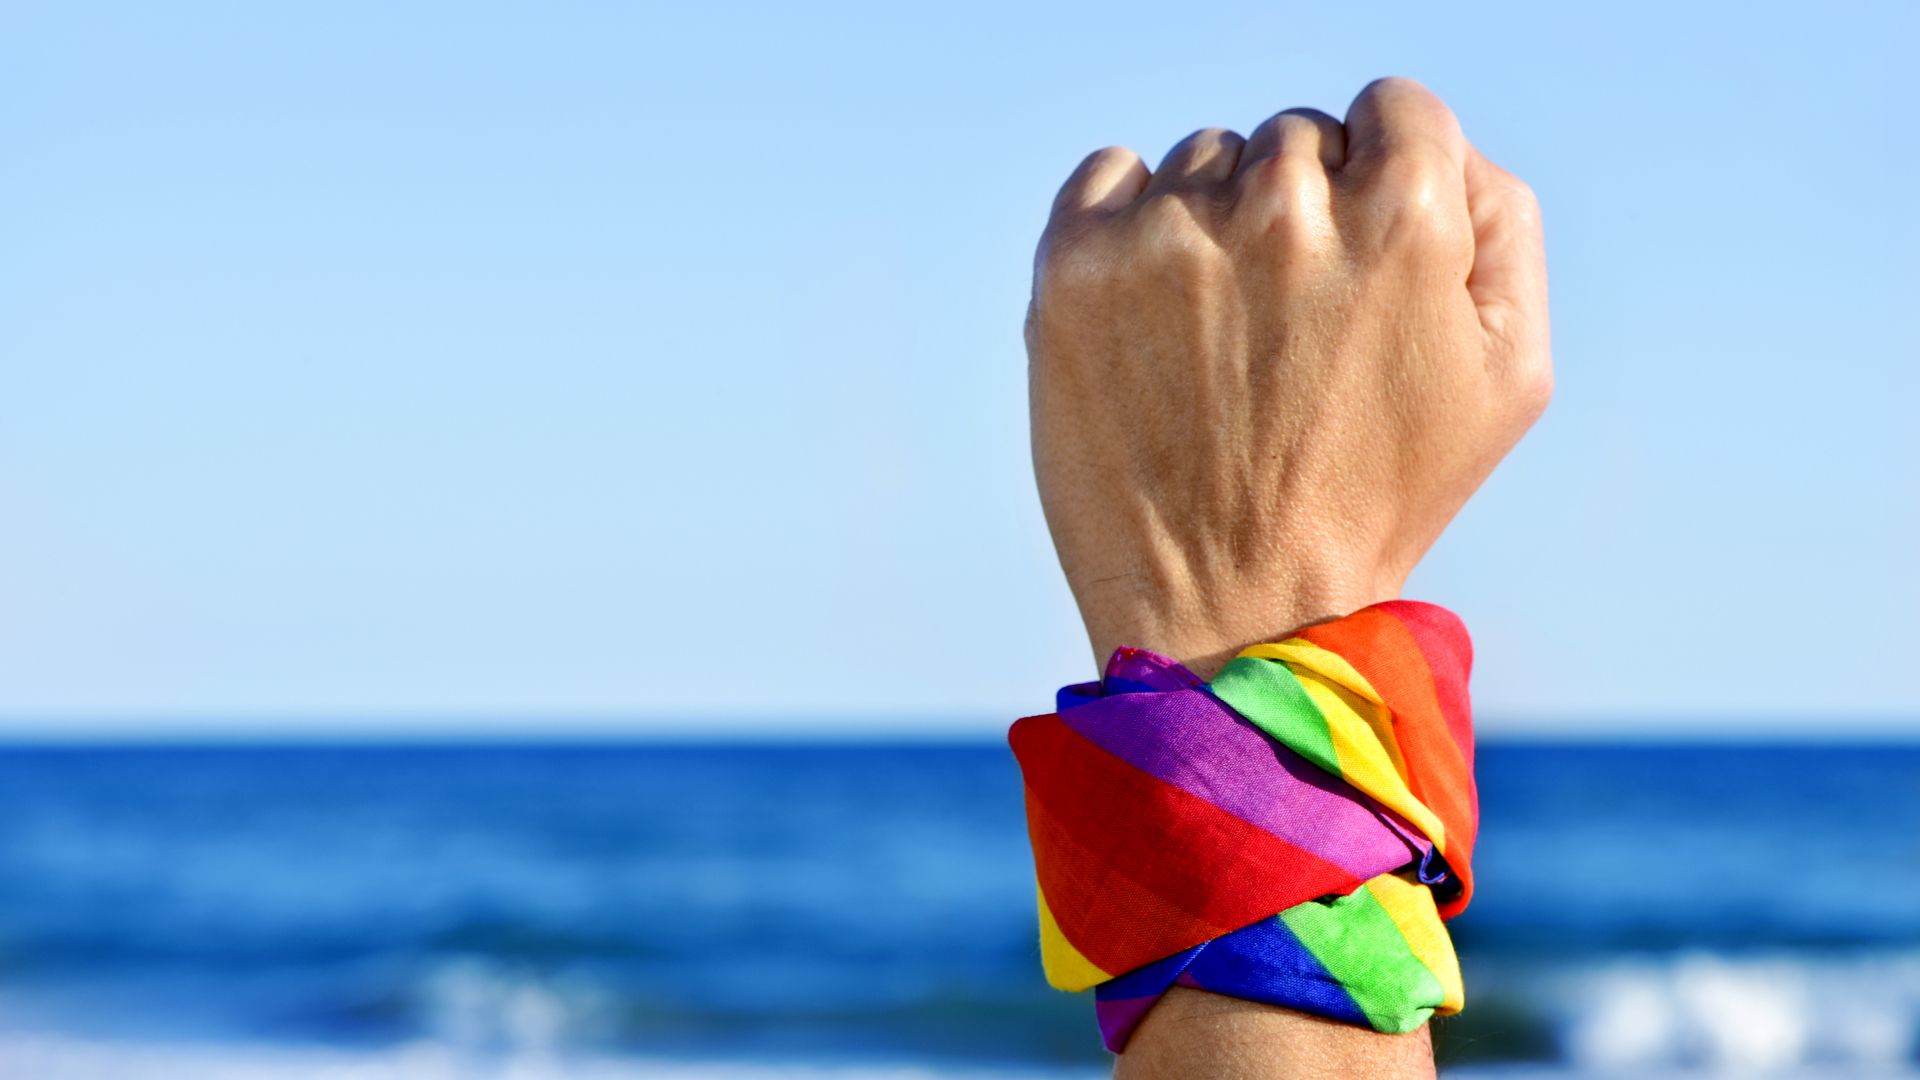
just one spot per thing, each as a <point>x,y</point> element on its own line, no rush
<point>1407,99</point>
<point>1401,113</point>
<point>1069,265</point>
<point>1170,219</point>
<point>1388,85</point>
<point>1286,198</point>
<point>1295,124</point>
<point>1107,155</point>
<point>1107,161</point>
<point>1317,117</point>
<point>1409,178</point>
<point>1182,146</point>
<point>1304,132</point>
<point>1164,236</point>
<point>1284,178</point>
<point>1409,208</point>
<point>1296,237</point>
<point>1201,148</point>
<point>1174,240</point>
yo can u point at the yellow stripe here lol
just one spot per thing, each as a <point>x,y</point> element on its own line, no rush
<point>1299,652</point>
<point>1331,666</point>
<point>1410,906</point>
<point>1066,968</point>
<point>1360,727</point>
<point>1364,760</point>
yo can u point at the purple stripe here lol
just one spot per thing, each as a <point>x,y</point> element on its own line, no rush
<point>1191,740</point>
<point>1118,1017</point>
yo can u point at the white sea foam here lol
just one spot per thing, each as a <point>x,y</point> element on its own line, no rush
<point>1556,1073</point>
<point>1687,1016</point>
<point>1746,1015</point>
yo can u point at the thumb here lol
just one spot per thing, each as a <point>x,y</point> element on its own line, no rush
<point>1508,281</point>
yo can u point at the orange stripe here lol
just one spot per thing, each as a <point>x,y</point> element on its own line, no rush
<point>1384,651</point>
<point>1443,640</point>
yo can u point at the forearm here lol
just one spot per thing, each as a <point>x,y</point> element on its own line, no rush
<point>1191,1033</point>
<point>1264,377</point>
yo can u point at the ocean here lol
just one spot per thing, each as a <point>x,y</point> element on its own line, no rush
<point>724,911</point>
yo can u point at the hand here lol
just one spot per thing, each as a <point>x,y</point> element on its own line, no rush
<point>1266,376</point>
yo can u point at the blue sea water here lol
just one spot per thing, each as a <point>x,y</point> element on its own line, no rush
<point>606,911</point>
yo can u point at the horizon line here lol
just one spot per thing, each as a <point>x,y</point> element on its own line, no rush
<point>532,728</point>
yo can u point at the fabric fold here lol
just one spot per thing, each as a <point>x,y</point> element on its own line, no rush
<point>1293,831</point>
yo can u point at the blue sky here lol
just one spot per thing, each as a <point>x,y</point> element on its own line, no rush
<point>440,366</point>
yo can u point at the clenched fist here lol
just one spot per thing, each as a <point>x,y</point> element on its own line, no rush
<point>1266,376</point>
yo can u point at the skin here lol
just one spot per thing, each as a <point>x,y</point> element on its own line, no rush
<point>1263,378</point>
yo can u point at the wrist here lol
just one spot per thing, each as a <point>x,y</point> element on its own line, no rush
<point>1205,628</point>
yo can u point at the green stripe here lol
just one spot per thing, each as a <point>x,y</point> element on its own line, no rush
<point>1358,943</point>
<point>1270,696</point>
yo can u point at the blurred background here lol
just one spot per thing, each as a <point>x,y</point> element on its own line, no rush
<point>519,548</point>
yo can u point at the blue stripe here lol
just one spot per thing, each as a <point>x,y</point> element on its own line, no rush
<point>1266,962</point>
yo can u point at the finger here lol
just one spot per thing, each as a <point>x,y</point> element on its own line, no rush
<point>1107,180</point>
<point>1284,183</point>
<point>1508,281</point>
<point>1399,118</point>
<point>1406,173</point>
<point>1309,133</point>
<point>1205,158</point>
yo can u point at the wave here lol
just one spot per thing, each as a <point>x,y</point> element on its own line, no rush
<point>1702,1013</point>
<point>529,913</point>
<point>68,1058</point>
<point>1678,1015</point>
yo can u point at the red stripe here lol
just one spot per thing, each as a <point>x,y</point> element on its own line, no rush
<point>1128,923</point>
<point>1136,869</point>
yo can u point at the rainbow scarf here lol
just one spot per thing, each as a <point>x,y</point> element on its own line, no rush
<point>1292,832</point>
